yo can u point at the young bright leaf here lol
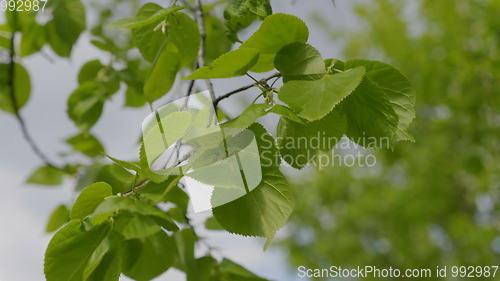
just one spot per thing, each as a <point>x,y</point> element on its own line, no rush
<point>89,199</point>
<point>149,257</point>
<point>85,104</point>
<point>117,204</point>
<point>5,36</point>
<point>70,249</point>
<point>163,74</point>
<point>217,43</point>
<point>312,100</point>
<point>119,179</point>
<point>183,33</point>
<point>299,59</point>
<point>46,175</point>
<point>248,117</point>
<point>276,32</point>
<point>58,218</point>
<point>33,39</point>
<point>396,88</point>
<point>22,86</point>
<point>266,208</point>
<point>87,144</point>
<point>69,22</point>
<point>287,113</point>
<point>149,39</point>
<point>232,64</point>
<point>89,71</point>
<point>239,14</point>
<point>142,20</point>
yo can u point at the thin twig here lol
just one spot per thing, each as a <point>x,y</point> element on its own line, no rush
<point>200,19</point>
<point>244,88</point>
<point>15,106</point>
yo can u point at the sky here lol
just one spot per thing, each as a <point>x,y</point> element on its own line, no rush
<point>24,209</point>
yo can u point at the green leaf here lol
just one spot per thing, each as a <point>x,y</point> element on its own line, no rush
<point>120,204</point>
<point>94,71</point>
<point>162,192</point>
<point>248,117</point>
<point>89,199</point>
<point>184,34</point>
<point>396,88</point>
<point>87,144</point>
<point>120,179</point>
<point>299,143</point>
<point>162,76</point>
<point>217,43</point>
<point>89,71</point>
<point>276,32</point>
<point>287,113</point>
<point>370,114</point>
<point>58,218</point>
<point>149,39</point>
<point>239,14</point>
<point>232,64</point>
<point>112,240</point>
<point>136,226</point>
<point>85,104</point>
<point>312,100</point>
<point>262,212</point>
<point>265,209</point>
<point>185,243</point>
<point>149,257</point>
<point>142,20</point>
<point>5,36</point>
<point>109,268</point>
<point>46,175</point>
<point>231,271</point>
<point>67,24</point>
<point>60,46</point>
<point>299,59</point>
<point>22,86</point>
<point>134,97</point>
<point>33,39</point>
<point>213,224</point>
<point>125,164</point>
<point>70,249</point>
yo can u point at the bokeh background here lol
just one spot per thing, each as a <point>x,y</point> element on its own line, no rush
<point>428,203</point>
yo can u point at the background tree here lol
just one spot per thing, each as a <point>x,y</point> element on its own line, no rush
<point>435,201</point>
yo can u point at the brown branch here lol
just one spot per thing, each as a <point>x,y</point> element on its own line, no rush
<point>15,105</point>
<point>244,88</point>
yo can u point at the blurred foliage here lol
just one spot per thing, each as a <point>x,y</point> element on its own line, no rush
<point>429,203</point>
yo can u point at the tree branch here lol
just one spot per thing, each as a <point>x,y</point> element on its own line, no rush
<point>244,88</point>
<point>15,106</point>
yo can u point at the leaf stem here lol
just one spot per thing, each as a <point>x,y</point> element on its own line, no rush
<point>244,88</point>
